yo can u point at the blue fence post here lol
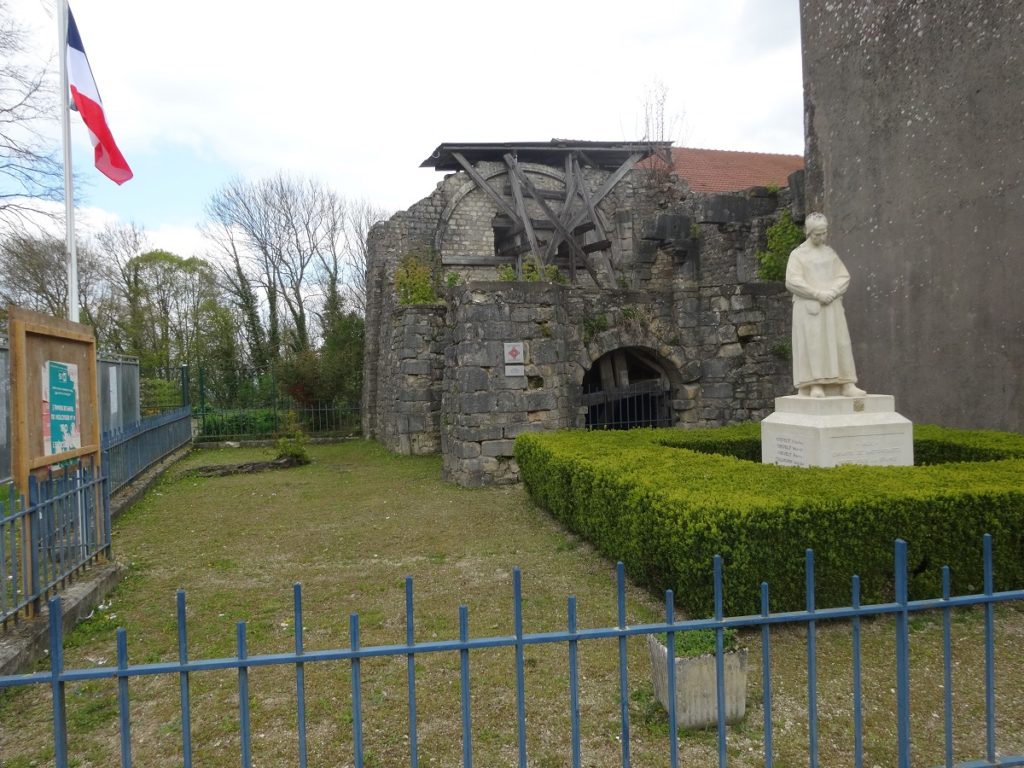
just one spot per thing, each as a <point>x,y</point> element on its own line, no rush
<point>32,544</point>
<point>720,660</point>
<point>60,724</point>
<point>812,663</point>
<point>947,666</point>
<point>467,730</point>
<point>620,580</point>
<point>670,647</point>
<point>902,657</point>
<point>300,676</point>
<point>990,657</point>
<point>410,663</point>
<point>122,698</point>
<point>357,692</point>
<point>517,608</point>
<point>183,684</point>
<point>574,682</point>
<point>243,697</point>
<point>766,676</point>
<point>858,715</point>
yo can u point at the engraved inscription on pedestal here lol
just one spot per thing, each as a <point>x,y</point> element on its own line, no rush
<point>790,451</point>
<point>881,449</point>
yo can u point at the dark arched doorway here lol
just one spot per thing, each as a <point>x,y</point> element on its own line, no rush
<point>625,389</point>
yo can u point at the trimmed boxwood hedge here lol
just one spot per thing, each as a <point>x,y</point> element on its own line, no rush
<point>666,501</point>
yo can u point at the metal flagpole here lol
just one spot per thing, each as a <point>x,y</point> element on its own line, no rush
<point>69,193</point>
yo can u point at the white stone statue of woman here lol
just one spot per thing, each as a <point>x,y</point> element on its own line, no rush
<point>822,354</point>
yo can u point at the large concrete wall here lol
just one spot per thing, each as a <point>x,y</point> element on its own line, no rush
<point>915,151</point>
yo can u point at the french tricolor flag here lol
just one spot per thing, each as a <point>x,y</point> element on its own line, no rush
<point>109,160</point>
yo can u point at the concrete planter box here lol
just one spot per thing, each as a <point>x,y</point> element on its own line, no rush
<point>696,686</point>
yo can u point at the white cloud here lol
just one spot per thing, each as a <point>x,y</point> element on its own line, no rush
<point>359,93</point>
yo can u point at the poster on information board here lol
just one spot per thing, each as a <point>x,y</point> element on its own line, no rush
<point>60,412</point>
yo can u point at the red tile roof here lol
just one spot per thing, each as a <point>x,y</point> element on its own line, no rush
<point>719,170</point>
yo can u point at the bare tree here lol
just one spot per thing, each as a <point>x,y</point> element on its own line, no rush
<point>30,168</point>
<point>362,216</point>
<point>32,275</point>
<point>277,234</point>
<point>122,245</point>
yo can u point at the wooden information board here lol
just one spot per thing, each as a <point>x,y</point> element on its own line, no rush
<point>54,400</point>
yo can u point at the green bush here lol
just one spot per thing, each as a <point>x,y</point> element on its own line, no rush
<point>507,273</point>
<point>416,279</point>
<point>666,501</point>
<point>783,237</point>
<point>248,422</point>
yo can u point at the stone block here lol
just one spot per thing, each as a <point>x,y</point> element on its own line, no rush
<point>541,401</point>
<point>478,402</point>
<point>730,350</point>
<point>497,447</point>
<point>479,434</point>
<point>485,353</point>
<point>514,430</point>
<point>829,431</point>
<point>727,334</point>
<point>722,391</point>
<point>725,209</point>
<point>747,316</point>
<point>471,378</point>
<point>667,226</point>
<point>418,367</point>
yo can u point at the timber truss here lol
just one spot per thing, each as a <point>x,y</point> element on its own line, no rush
<point>564,226</point>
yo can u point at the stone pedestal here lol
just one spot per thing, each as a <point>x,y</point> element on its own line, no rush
<point>829,431</point>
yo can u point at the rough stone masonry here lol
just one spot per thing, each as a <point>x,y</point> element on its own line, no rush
<point>668,326</point>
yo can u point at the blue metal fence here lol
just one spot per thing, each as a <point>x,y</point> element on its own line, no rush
<point>130,451</point>
<point>43,543</point>
<point>65,524</point>
<point>900,608</point>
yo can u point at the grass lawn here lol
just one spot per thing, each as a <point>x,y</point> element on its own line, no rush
<point>350,527</point>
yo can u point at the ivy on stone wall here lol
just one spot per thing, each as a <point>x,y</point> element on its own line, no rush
<point>783,237</point>
<point>415,280</point>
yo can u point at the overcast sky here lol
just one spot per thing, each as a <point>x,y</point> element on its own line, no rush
<point>359,94</point>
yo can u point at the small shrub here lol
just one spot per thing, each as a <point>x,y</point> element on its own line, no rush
<point>592,326</point>
<point>783,236</point>
<point>700,642</point>
<point>293,449</point>
<point>291,445</point>
<point>551,273</point>
<point>414,280</point>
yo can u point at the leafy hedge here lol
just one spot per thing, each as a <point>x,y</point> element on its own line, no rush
<point>666,501</point>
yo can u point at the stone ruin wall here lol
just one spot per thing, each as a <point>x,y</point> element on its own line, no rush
<point>687,293</point>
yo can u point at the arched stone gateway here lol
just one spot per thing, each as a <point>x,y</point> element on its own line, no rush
<point>627,388</point>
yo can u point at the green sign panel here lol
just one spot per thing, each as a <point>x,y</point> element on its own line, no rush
<point>61,423</point>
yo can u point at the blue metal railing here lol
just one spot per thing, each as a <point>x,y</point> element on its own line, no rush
<point>65,523</point>
<point>63,528</point>
<point>242,663</point>
<point>130,451</point>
